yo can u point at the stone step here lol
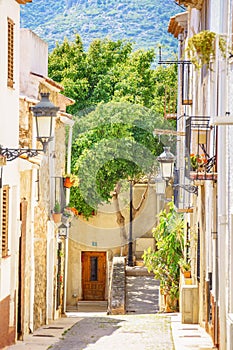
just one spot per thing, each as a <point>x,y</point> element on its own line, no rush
<point>138,271</point>
<point>142,294</point>
<point>89,306</point>
<point>139,262</point>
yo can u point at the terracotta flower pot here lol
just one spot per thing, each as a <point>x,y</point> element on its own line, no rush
<point>187,274</point>
<point>56,217</point>
<point>68,183</point>
<point>171,304</point>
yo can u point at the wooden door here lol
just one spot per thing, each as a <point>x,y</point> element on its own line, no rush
<point>93,275</point>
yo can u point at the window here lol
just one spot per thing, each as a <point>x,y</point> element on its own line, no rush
<point>10,67</point>
<point>94,268</point>
<point>5,213</point>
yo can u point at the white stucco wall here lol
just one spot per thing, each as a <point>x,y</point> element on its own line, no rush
<point>9,96</point>
<point>34,59</point>
<point>9,131</point>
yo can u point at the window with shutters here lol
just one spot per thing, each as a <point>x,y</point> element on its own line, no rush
<point>5,214</point>
<point>10,67</point>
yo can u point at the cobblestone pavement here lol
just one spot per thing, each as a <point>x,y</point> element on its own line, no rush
<point>97,331</point>
<point>131,332</point>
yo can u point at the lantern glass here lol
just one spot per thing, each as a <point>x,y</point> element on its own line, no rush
<point>167,170</point>
<point>160,184</point>
<point>166,160</point>
<point>44,127</point>
<point>45,112</point>
<point>63,231</point>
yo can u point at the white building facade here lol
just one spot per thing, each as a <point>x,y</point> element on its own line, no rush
<point>211,225</point>
<point>9,188</point>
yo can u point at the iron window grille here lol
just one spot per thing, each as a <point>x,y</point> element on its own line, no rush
<point>200,149</point>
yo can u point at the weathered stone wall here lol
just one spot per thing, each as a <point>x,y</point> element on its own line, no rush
<point>116,300</point>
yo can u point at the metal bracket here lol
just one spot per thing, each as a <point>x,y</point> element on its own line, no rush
<point>189,188</point>
<point>13,153</point>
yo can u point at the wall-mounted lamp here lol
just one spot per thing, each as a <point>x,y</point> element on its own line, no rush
<point>160,184</point>
<point>63,231</point>
<point>167,160</point>
<point>44,113</point>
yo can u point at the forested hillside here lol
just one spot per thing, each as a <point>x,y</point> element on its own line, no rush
<point>143,22</point>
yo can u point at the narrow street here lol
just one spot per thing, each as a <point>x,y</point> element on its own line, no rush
<point>93,329</point>
<point>97,330</point>
<point>118,332</point>
<point>87,325</point>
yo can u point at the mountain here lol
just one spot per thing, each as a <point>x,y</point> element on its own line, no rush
<point>144,22</point>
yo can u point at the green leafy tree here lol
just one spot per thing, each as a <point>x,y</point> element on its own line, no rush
<point>165,88</point>
<point>115,90</point>
<point>111,71</point>
<point>115,143</point>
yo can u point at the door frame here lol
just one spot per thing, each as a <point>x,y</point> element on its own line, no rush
<point>104,270</point>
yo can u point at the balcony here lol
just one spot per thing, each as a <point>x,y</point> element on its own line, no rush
<point>200,149</point>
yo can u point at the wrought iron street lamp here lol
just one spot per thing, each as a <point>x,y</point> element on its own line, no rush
<point>44,112</point>
<point>167,160</point>
<point>63,231</point>
<point>160,184</point>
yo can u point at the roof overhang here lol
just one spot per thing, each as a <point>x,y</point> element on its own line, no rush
<point>178,24</point>
<point>23,2</point>
<point>48,81</point>
<point>66,100</point>
<point>192,3</point>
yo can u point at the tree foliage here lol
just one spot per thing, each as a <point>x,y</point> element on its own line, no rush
<point>119,103</point>
<point>114,142</point>
<point>107,71</point>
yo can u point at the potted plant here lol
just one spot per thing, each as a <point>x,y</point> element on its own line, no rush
<point>185,267</point>
<point>68,214</point>
<point>198,162</point>
<point>57,212</point>
<point>70,180</point>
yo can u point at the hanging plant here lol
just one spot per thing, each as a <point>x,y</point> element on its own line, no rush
<point>201,48</point>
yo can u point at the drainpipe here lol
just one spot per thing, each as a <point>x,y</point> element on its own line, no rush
<point>32,266</point>
<point>222,188</point>
<point>68,165</point>
<point>68,170</point>
<point>180,124</point>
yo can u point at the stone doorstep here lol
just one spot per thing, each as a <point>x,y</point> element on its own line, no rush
<point>93,302</point>
<point>139,262</point>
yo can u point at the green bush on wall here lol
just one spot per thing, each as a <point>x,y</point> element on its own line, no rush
<point>201,48</point>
